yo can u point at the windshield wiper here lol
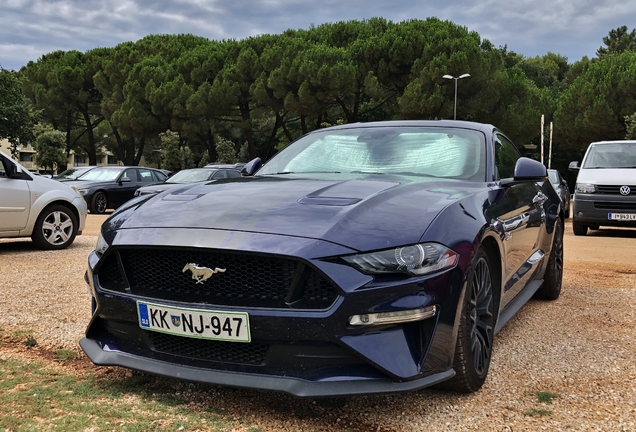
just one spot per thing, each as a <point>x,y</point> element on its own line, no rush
<point>304,172</point>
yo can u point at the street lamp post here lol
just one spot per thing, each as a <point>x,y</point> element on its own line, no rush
<point>456,79</point>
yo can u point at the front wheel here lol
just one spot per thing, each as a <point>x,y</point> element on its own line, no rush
<point>99,203</point>
<point>578,228</point>
<point>553,279</point>
<point>55,228</point>
<point>475,335</point>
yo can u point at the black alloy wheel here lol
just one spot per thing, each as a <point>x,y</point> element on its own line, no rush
<point>99,203</point>
<point>553,278</point>
<point>476,331</point>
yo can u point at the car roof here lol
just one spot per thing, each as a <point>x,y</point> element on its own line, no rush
<point>460,124</point>
<point>614,142</point>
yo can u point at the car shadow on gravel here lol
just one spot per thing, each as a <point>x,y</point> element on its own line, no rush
<point>612,232</point>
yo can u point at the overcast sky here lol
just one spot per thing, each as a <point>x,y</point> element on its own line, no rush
<point>31,28</point>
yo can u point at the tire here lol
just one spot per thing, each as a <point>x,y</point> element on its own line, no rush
<point>578,228</point>
<point>99,203</point>
<point>55,228</point>
<point>566,212</point>
<point>553,278</point>
<point>473,350</point>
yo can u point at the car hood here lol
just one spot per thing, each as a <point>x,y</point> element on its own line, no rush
<point>88,184</point>
<point>360,214</point>
<point>161,187</point>
<point>607,176</point>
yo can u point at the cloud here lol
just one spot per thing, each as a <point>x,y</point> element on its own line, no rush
<point>31,28</point>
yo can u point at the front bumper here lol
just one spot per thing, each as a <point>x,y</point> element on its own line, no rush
<point>294,386</point>
<point>307,353</point>
<point>595,209</point>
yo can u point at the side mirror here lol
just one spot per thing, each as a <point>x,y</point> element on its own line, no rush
<point>574,166</point>
<point>124,180</point>
<point>251,167</point>
<point>530,169</point>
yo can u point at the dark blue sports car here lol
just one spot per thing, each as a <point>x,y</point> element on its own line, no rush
<point>364,258</point>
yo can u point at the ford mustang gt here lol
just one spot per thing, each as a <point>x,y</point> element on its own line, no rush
<point>363,258</point>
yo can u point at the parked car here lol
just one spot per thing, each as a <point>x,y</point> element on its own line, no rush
<point>109,187</point>
<point>562,189</point>
<point>51,213</point>
<point>605,191</point>
<point>363,258</point>
<point>73,173</point>
<point>192,175</point>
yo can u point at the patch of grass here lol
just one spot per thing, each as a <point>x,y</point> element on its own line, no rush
<point>30,342</point>
<point>65,355</point>
<point>34,397</point>
<point>537,413</point>
<point>544,396</point>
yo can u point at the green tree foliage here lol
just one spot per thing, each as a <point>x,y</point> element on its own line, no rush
<point>630,122</point>
<point>617,41</point>
<point>61,85</point>
<point>172,156</point>
<point>16,116</point>
<point>594,107</point>
<point>265,91</point>
<point>49,144</point>
<point>225,151</point>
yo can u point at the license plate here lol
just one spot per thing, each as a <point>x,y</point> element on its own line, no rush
<point>194,323</point>
<point>622,216</point>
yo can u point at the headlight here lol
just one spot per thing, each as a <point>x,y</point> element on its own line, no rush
<point>415,259</point>
<point>585,188</point>
<point>102,245</point>
<point>77,191</point>
<point>83,191</point>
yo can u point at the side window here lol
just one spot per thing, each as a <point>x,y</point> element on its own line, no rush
<point>131,174</point>
<point>506,155</point>
<point>3,168</point>
<point>233,174</point>
<point>159,176</point>
<point>221,174</point>
<point>145,176</point>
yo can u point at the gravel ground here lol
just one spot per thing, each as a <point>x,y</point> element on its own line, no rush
<point>580,347</point>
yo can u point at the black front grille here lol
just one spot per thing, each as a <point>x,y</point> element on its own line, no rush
<point>249,280</point>
<point>209,350</point>
<point>615,206</point>
<point>613,190</point>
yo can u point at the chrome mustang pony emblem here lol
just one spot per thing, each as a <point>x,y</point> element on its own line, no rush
<point>201,274</point>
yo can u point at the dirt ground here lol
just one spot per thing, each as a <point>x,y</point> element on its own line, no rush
<point>580,347</point>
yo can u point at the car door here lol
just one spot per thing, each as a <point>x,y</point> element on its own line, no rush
<point>519,217</point>
<point>15,199</point>
<point>124,190</point>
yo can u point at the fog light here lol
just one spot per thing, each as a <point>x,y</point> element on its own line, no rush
<point>394,317</point>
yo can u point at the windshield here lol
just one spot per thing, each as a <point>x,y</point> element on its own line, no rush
<point>191,176</point>
<point>101,174</point>
<point>416,151</point>
<point>619,155</point>
<point>71,173</point>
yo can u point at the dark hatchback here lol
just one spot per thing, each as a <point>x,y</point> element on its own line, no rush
<point>106,188</point>
<point>364,258</point>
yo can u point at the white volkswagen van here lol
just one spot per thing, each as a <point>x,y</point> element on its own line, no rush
<point>605,192</point>
<point>48,211</point>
